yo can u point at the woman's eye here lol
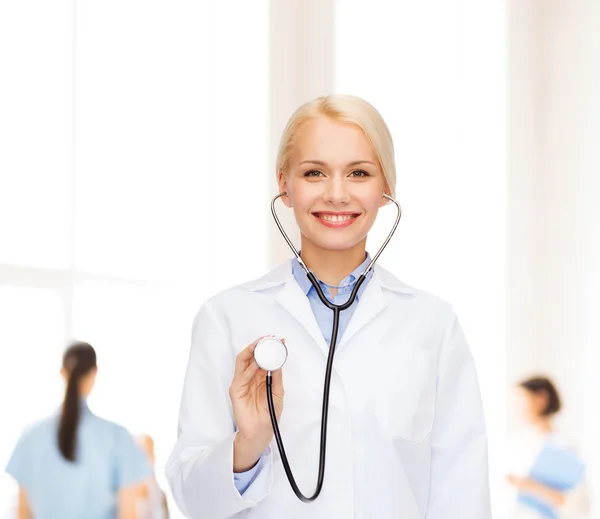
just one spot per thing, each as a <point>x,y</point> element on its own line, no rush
<point>359,173</point>
<point>313,173</point>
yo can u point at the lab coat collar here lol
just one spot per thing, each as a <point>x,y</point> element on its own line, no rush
<point>295,302</point>
<point>283,274</point>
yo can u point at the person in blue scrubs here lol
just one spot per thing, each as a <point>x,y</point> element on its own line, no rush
<point>75,465</point>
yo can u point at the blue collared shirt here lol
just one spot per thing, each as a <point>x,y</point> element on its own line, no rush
<point>324,317</point>
<point>107,460</point>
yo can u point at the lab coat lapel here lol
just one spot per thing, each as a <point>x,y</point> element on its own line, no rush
<point>295,302</point>
<point>370,305</point>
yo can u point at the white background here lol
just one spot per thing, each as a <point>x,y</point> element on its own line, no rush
<point>134,150</point>
<point>137,142</point>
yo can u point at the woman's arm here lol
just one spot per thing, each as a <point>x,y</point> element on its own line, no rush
<point>200,468</point>
<point>128,500</point>
<point>23,511</point>
<point>548,494</point>
<point>459,487</point>
<point>577,502</point>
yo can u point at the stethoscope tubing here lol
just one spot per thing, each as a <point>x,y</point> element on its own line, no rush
<point>329,368</point>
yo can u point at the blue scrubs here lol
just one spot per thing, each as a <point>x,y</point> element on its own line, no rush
<point>107,460</point>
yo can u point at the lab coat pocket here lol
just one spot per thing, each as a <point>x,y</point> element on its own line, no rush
<point>405,403</point>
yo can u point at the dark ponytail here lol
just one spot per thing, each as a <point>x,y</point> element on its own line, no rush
<point>78,361</point>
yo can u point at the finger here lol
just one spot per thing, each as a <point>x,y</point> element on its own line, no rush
<point>244,357</point>
<point>246,377</point>
<point>277,382</point>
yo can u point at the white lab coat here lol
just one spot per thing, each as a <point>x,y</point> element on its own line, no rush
<point>406,436</point>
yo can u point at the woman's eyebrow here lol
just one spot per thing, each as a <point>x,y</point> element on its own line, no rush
<point>359,162</point>
<point>321,163</point>
<point>317,162</point>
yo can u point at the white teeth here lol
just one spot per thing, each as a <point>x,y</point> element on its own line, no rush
<point>336,217</point>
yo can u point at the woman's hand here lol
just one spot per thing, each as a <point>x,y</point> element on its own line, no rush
<point>248,393</point>
<point>515,480</point>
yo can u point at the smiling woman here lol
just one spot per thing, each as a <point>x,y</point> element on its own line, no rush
<point>335,161</point>
<point>403,369</point>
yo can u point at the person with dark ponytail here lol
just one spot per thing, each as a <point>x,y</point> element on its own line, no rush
<point>539,403</point>
<point>75,464</point>
<point>79,371</point>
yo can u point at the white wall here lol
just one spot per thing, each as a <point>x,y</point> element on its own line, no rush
<point>301,68</point>
<point>134,141</point>
<point>555,193</point>
<point>523,189</point>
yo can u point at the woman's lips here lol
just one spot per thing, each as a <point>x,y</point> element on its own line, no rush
<point>336,220</point>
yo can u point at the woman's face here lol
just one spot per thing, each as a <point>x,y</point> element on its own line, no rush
<point>530,404</point>
<point>334,184</point>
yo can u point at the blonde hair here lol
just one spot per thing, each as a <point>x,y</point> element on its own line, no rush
<point>348,109</point>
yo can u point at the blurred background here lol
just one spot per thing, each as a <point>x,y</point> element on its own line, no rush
<point>137,148</point>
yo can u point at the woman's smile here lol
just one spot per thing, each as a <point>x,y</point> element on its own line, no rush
<point>336,220</point>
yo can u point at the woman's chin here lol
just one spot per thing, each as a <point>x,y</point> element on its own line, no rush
<point>333,244</point>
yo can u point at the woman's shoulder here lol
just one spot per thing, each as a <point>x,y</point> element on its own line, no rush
<point>35,441</point>
<point>115,429</point>
<point>116,438</point>
<point>39,428</point>
<point>272,281</point>
<point>410,294</point>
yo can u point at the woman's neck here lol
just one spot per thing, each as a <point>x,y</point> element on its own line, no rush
<point>332,266</point>
<point>543,425</point>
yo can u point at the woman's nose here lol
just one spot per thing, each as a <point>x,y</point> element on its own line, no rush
<point>337,191</point>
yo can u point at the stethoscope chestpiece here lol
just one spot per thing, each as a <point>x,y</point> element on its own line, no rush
<point>270,353</point>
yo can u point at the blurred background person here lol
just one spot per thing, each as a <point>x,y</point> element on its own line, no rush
<point>153,501</point>
<point>539,402</point>
<point>75,464</point>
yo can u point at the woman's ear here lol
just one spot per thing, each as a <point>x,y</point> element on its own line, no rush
<point>284,188</point>
<point>387,191</point>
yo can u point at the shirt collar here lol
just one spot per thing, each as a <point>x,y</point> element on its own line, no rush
<point>83,406</point>
<point>283,274</point>
<point>346,284</point>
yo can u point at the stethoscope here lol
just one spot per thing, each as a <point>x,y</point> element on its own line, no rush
<point>270,354</point>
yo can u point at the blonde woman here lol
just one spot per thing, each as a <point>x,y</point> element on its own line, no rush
<point>406,434</point>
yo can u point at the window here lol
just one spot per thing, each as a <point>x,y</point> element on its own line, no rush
<point>133,186</point>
